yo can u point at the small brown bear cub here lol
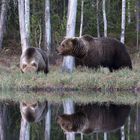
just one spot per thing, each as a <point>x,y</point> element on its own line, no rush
<point>33,111</point>
<point>92,118</point>
<point>34,60</point>
<point>94,52</point>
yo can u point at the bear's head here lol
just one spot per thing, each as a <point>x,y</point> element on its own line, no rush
<point>71,123</point>
<point>72,46</point>
<point>33,111</point>
<point>28,61</point>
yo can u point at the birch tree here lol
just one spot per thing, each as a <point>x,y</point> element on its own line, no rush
<point>97,18</point>
<point>82,12</point>
<point>24,23</point>
<point>128,11</point>
<point>68,106</point>
<point>137,21</point>
<point>47,40</point>
<point>123,21</point>
<point>48,123</point>
<point>24,130</point>
<point>68,61</point>
<point>3,14</point>
<point>104,18</point>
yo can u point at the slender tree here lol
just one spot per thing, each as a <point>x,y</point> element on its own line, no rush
<point>47,40</point>
<point>128,12</point>
<point>97,18</point>
<point>68,106</point>
<point>48,123</point>
<point>104,18</point>
<point>82,12</point>
<point>22,20</point>
<point>3,14</point>
<point>137,21</point>
<point>24,130</point>
<point>68,61</point>
<point>123,21</point>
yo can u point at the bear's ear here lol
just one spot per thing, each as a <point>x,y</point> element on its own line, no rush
<point>74,40</point>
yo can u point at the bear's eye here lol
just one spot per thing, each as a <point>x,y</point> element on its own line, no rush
<point>34,105</point>
<point>34,64</point>
<point>24,65</point>
<point>24,104</point>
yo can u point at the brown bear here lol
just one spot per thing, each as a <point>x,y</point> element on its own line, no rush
<point>94,52</point>
<point>94,118</point>
<point>33,111</point>
<point>34,60</point>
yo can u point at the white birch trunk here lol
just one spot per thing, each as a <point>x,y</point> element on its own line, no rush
<point>137,21</point>
<point>27,18</point>
<point>68,61</point>
<point>128,12</point>
<point>48,123</point>
<point>123,21</point>
<point>97,18</point>
<point>23,34</point>
<point>104,18</point>
<point>47,40</point>
<point>105,136</point>
<point>3,14</point>
<point>24,130</point>
<point>82,12</point>
<point>122,133</point>
<point>68,106</point>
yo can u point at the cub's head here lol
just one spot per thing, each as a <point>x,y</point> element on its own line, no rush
<point>71,123</point>
<point>28,61</point>
<point>33,111</point>
<point>68,46</point>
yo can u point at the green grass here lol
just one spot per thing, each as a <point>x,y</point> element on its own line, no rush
<point>80,79</point>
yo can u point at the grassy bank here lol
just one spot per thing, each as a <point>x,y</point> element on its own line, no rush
<point>80,79</point>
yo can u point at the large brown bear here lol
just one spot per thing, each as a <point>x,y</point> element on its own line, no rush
<point>94,52</point>
<point>94,118</point>
<point>34,60</point>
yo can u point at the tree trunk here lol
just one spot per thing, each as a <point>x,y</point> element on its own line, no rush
<point>105,136</point>
<point>82,11</point>
<point>68,106</point>
<point>23,33</point>
<point>97,18</point>
<point>137,21</point>
<point>128,12</point>
<point>24,130</point>
<point>122,133</point>
<point>48,123</point>
<point>123,21</point>
<point>3,14</point>
<point>3,117</point>
<point>104,18</point>
<point>68,61</point>
<point>47,40</point>
<point>27,18</point>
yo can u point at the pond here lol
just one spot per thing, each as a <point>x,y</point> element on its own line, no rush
<point>69,116</point>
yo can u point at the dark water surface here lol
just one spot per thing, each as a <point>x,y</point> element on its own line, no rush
<point>64,118</point>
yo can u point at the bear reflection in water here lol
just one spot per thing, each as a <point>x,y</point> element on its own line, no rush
<point>33,111</point>
<point>94,118</point>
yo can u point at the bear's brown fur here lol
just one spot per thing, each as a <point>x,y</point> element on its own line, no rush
<point>94,52</point>
<point>33,111</point>
<point>94,118</point>
<point>34,60</point>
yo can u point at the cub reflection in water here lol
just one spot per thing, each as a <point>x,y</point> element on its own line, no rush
<point>94,118</point>
<point>33,111</point>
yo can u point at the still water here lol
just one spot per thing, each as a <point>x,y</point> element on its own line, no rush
<point>67,119</point>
